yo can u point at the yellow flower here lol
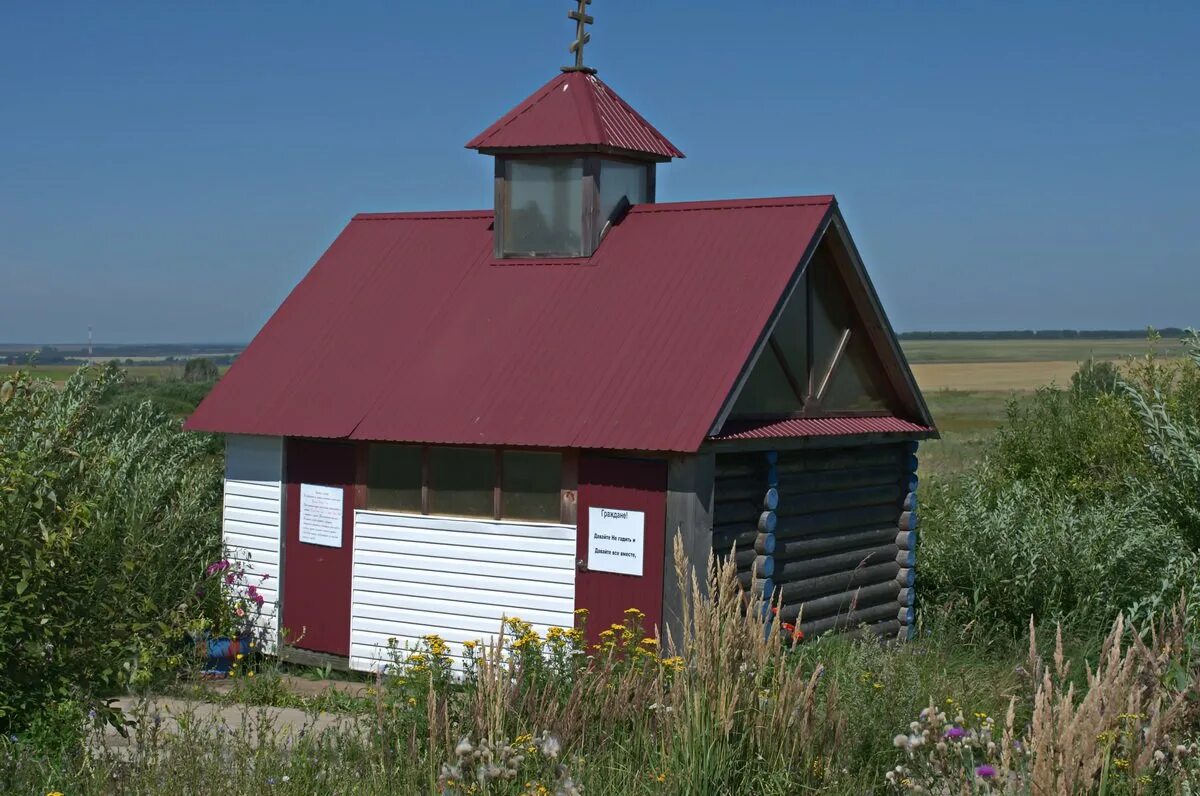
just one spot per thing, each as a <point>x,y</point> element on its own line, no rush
<point>1121,763</point>
<point>633,612</point>
<point>470,645</point>
<point>877,686</point>
<point>650,642</point>
<point>55,793</point>
<point>240,656</point>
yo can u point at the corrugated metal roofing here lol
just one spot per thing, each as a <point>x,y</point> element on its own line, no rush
<point>575,109</point>
<point>819,427</point>
<point>405,330</point>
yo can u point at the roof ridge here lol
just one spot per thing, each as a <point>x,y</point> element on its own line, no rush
<point>734,204</point>
<point>422,215</point>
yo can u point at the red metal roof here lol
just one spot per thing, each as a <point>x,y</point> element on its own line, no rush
<point>575,109</point>
<point>819,427</point>
<point>406,330</point>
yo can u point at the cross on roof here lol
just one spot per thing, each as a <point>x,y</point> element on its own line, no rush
<point>582,37</point>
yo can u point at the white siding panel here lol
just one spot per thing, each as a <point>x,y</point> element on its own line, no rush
<point>253,519</point>
<point>459,579</point>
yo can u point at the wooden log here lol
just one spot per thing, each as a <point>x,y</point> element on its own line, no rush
<point>910,501</point>
<point>908,520</point>
<point>764,545</point>
<point>911,463</point>
<point>838,562</point>
<point>906,540</point>
<point>828,521</point>
<point>831,604</point>
<point>906,577</point>
<point>906,615</point>
<point>813,459</point>
<point>807,588</point>
<point>907,559</point>
<point>839,458</point>
<point>751,489</point>
<point>907,595</point>
<point>808,503</point>
<point>881,630</point>
<point>911,446</point>
<point>767,522</point>
<point>744,512</point>
<point>747,581</point>
<point>810,546</point>
<point>764,566</point>
<point>868,616</point>
<point>726,537</point>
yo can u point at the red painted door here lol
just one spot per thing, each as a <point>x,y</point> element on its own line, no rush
<point>316,577</point>
<point>621,485</point>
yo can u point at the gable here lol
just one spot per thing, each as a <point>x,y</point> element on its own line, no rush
<point>830,351</point>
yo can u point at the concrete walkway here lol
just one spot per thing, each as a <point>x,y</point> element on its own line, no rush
<point>256,722</point>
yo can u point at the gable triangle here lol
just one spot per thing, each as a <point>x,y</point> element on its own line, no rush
<point>831,352</point>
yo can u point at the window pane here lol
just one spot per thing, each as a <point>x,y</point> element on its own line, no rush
<point>831,315</point>
<point>617,179</point>
<point>461,481</point>
<point>394,478</point>
<point>767,392</point>
<point>858,384</point>
<point>530,484</point>
<point>544,213</point>
<point>791,333</point>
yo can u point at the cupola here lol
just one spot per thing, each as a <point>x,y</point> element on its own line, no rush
<point>570,161</point>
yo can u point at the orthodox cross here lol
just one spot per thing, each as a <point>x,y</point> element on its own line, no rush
<point>582,37</point>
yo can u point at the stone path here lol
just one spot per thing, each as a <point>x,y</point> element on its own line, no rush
<point>253,720</point>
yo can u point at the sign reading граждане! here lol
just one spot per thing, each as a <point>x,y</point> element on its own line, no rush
<point>616,540</point>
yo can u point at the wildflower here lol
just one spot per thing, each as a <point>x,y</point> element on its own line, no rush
<point>286,778</point>
<point>250,674</point>
<point>877,686</point>
<point>633,612</point>
<point>954,733</point>
<point>1121,763</point>
<point>240,611</point>
<point>240,656</point>
<point>900,741</point>
<point>464,747</point>
<point>985,771</point>
<point>650,642</point>
<point>470,645</point>
<point>55,793</point>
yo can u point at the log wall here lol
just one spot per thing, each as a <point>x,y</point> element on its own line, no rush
<point>831,533</point>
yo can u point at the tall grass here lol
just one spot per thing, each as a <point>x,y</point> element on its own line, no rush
<point>738,710</point>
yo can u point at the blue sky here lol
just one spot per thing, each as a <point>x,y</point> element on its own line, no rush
<point>168,172</point>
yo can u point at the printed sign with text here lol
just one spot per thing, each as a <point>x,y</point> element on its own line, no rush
<point>321,515</point>
<point>616,540</point>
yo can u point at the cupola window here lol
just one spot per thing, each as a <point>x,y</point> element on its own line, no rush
<point>542,211</point>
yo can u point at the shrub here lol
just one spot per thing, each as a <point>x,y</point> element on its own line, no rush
<point>1004,553</point>
<point>106,521</point>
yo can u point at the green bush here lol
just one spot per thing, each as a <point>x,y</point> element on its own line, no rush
<point>1027,548</point>
<point>107,517</point>
<point>1086,504</point>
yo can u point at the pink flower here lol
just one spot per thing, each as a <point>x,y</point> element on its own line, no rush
<point>229,579</point>
<point>239,611</point>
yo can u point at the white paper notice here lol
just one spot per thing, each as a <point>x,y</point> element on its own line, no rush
<point>616,540</point>
<point>321,515</point>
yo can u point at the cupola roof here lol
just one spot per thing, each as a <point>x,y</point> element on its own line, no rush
<point>576,110</point>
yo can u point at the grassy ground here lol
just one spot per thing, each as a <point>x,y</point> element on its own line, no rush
<point>924,351</point>
<point>60,373</point>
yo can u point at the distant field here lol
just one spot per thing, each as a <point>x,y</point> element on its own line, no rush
<point>61,373</point>
<point>968,384</point>
<point>959,351</point>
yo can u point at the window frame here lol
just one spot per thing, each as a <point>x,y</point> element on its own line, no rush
<point>568,485</point>
<point>592,225</point>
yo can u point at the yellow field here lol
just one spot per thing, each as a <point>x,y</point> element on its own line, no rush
<point>993,376</point>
